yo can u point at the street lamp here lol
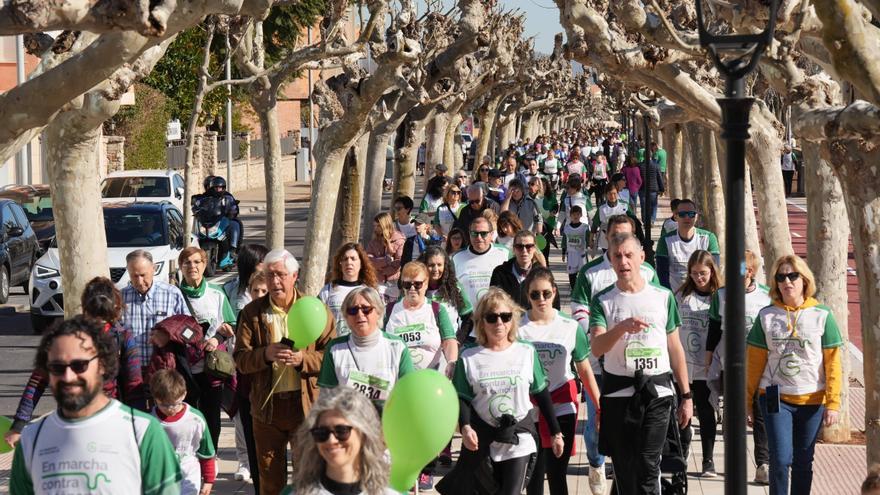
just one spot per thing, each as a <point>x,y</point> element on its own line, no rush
<point>735,56</point>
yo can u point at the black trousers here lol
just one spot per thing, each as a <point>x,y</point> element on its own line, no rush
<point>759,434</point>
<point>207,399</point>
<point>509,475</point>
<point>636,465</point>
<point>555,468</point>
<point>787,177</point>
<point>708,420</point>
<point>247,423</point>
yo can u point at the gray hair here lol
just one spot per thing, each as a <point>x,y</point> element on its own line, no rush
<point>474,189</point>
<point>276,255</point>
<point>370,294</point>
<point>620,238</point>
<point>138,254</point>
<point>361,414</point>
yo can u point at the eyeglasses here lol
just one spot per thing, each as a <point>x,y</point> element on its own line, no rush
<point>792,276</point>
<point>322,433</point>
<point>171,405</point>
<point>353,310</point>
<point>524,247</point>
<point>415,284</point>
<point>687,214</point>
<point>537,295</point>
<point>78,366</point>
<point>493,317</point>
<point>482,233</point>
<point>475,201</point>
<point>455,193</point>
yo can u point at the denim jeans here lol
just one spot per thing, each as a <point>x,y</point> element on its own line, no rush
<point>649,204</point>
<point>791,435</point>
<point>591,432</point>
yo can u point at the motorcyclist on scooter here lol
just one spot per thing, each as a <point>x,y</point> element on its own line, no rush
<point>229,207</point>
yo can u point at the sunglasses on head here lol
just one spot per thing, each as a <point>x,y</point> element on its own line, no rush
<point>353,310</point>
<point>481,233</point>
<point>792,276</point>
<point>77,366</point>
<point>687,214</point>
<point>322,433</point>
<point>417,284</point>
<point>493,317</point>
<point>537,295</point>
<point>524,247</point>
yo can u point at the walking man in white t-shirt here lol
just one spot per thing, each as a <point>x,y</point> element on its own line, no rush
<point>789,163</point>
<point>91,443</point>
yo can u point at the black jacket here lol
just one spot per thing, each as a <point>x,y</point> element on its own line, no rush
<point>504,279</point>
<point>468,214</point>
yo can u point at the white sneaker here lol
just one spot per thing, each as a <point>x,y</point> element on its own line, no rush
<point>597,480</point>
<point>762,475</point>
<point>243,474</point>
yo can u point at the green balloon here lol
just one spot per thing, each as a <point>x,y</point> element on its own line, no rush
<point>541,242</point>
<point>5,425</point>
<point>306,321</point>
<point>418,421</point>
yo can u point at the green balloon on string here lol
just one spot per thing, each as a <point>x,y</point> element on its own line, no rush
<point>306,321</point>
<point>541,242</point>
<point>5,425</point>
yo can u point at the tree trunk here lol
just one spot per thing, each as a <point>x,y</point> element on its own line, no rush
<point>323,205</point>
<point>860,182</point>
<point>675,150</point>
<point>714,189</point>
<point>435,139</point>
<point>827,242</point>
<point>406,150</point>
<point>353,208</point>
<point>274,176</point>
<point>73,143</point>
<point>752,239</point>
<point>487,115</point>
<point>458,154</point>
<point>377,154</point>
<point>687,165</point>
<point>694,136</point>
<point>451,142</point>
<point>508,134</point>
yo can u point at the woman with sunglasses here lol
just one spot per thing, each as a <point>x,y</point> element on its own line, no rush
<point>351,269</point>
<point>102,301</point>
<point>496,381</point>
<point>560,343</point>
<point>481,174</point>
<point>793,361</point>
<point>448,212</point>
<point>426,329</point>
<point>339,448</point>
<point>367,359</point>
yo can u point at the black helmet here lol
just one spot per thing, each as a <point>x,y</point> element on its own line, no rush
<point>217,181</point>
<point>207,182</point>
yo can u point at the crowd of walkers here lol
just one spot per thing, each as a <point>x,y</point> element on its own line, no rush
<point>460,285</point>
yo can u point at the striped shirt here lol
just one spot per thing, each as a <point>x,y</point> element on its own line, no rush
<point>142,312</point>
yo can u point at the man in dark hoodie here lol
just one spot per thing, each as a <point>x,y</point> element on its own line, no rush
<point>510,275</point>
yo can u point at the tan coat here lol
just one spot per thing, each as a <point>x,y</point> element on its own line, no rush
<point>253,336</point>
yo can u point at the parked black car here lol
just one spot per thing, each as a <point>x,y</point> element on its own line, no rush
<point>36,201</point>
<point>18,248</point>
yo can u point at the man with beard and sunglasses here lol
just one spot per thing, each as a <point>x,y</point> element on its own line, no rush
<point>91,443</point>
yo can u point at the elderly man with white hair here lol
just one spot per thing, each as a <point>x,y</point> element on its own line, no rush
<point>283,379</point>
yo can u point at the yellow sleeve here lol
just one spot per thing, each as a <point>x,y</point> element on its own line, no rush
<point>833,377</point>
<point>756,361</point>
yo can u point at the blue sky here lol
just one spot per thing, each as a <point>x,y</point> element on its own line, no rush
<point>542,19</point>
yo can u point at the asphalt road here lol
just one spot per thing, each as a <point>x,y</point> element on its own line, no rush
<point>18,343</point>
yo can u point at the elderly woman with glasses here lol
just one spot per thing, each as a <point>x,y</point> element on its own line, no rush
<point>794,362</point>
<point>367,359</point>
<point>496,380</point>
<point>339,448</point>
<point>560,342</point>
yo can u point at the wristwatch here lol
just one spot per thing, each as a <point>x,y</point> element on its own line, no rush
<point>688,395</point>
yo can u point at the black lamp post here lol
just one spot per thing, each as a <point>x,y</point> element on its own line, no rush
<point>735,56</point>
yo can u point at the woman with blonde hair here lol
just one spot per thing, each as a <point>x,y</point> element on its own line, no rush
<point>447,213</point>
<point>794,362</point>
<point>385,251</point>
<point>496,380</point>
<point>339,447</point>
<point>351,269</point>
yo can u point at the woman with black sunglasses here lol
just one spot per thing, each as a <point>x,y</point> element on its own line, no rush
<point>560,342</point>
<point>339,448</point>
<point>367,359</point>
<point>496,381</point>
<point>793,361</point>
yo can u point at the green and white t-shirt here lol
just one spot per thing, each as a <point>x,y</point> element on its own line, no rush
<point>209,305</point>
<point>558,344</point>
<point>795,361</point>
<point>593,278</point>
<point>429,205</point>
<point>679,251</point>
<point>647,350</point>
<point>603,213</point>
<point>694,312</point>
<point>756,300</point>
<point>576,239</point>
<point>192,441</point>
<point>499,383</point>
<point>579,199</point>
<point>332,295</point>
<point>421,331</point>
<point>474,271</point>
<point>446,215</point>
<point>373,371</point>
<point>454,313</point>
<point>550,166</point>
<point>111,452</point>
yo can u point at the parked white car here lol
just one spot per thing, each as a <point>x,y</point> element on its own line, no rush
<point>144,185</point>
<point>154,227</point>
